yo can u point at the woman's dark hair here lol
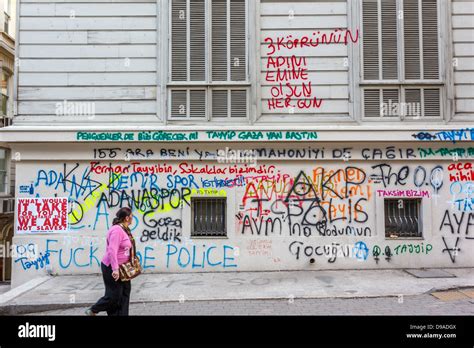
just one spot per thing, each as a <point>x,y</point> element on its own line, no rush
<point>121,215</point>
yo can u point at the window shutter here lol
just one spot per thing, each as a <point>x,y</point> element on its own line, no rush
<point>208,48</point>
<point>197,103</point>
<point>389,40</point>
<point>432,102</point>
<point>238,100</point>
<point>412,39</point>
<point>372,102</point>
<point>178,103</point>
<point>178,40</point>
<point>430,39</point>
<point>238,42</point>
<point>219,40</point>
<point>390,100</point>
<point>370,39</point>
<point>219,103</point>
<point>197,34</point>
<point>412,102</point>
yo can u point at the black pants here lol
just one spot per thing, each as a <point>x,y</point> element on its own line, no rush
<point>117,294</point>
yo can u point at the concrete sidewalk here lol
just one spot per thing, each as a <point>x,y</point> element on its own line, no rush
<point>51,293</point>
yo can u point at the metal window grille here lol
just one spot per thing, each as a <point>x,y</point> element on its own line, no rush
<point>208,217</point>
<point>402,217</point>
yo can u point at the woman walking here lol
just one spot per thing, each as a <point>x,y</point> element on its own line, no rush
<point>119,244</point>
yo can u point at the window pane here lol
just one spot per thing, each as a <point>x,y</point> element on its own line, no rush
<point>3,170</point>
<point>4,83</point>
<point>5,92</point>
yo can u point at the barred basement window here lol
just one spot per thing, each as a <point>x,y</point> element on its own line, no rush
<point>208,217</point>
<point>401,70</point>
<point>402,218</point>
<point>209,65</point>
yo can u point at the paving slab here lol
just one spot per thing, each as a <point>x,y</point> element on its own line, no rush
<point>468,292</point>
<point>449,295</point>
<point>80,290</point>
<point>430,273</point>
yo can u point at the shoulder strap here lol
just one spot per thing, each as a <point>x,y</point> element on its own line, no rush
<point>132,240</point>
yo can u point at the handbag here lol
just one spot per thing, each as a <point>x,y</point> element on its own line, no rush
<point>132,268</point>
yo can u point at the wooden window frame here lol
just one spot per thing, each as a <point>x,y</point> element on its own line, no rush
<point>445,78</point>
<point>165,85</point>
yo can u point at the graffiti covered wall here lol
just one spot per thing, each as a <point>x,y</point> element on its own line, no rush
<point>293,207</point>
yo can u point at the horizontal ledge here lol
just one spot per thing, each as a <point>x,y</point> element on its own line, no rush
<point>448,134</point>
<point>223,127</point>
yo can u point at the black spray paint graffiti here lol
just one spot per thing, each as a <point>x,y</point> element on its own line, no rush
<point>401,249</point>
<point>459,224</point>
<point>161,228</point>
<point>421,177</point>
<point>307,206</point>
<point>300,209</point>
<point>332,251</point>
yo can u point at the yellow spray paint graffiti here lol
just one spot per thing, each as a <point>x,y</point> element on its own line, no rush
<point>91,201</point>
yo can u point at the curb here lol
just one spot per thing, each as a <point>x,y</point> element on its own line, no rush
<point>19,309</point>
<point>20,290</point>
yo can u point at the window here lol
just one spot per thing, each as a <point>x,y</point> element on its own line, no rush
<point>5,93</point>
<point>6,11</point>
<point>208,61</point>
<point>3,171</point>
<point>208,217</point>
<point>401,70</point>
<point>402,218</point>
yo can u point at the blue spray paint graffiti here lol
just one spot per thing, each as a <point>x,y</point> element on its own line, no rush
<point>84,256</point>
<point>186,257</point>
<point>360,251</point>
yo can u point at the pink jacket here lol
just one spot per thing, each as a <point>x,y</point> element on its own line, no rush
<point>118,247</point>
